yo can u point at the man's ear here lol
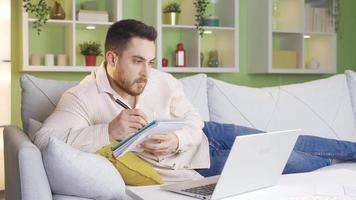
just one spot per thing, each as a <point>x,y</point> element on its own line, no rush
<point>110,57</point>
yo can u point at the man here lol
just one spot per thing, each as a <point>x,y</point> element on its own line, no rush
<point>91,114</point>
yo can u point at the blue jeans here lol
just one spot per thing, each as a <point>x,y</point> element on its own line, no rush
<point>309,153</point>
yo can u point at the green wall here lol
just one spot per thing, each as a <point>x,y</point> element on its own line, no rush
<point>346,53</point>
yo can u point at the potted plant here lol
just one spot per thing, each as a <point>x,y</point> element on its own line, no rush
<point>171,12</point>
<point>40,10</point>
<point>200,9</point>
<point>90,50</point>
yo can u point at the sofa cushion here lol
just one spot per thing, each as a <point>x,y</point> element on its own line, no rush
<point>40,97</point>
<point>33,127</point>
<point>195,88</point>
<point>133,169</point>
<point>351,83</point>
<point>321,108</point>
<point>76,173</point>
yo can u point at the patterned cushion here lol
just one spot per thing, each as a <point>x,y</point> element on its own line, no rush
<point>321,108</point>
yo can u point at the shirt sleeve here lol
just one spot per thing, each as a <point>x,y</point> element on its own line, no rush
<point>70,122</point>
<point>191,134</point>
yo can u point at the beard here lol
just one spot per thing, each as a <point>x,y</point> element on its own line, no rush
<point>133,88</point>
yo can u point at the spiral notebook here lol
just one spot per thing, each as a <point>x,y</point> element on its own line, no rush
<point>156,126</point>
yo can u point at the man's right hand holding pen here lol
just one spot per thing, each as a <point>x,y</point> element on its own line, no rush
<point>131,120</point>
<point>126,123</point>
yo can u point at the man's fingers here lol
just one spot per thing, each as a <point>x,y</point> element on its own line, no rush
<point>140,113</point>
<point>150,146</point>
<point>137,119</point>
<point>157,136</point>
<point>135,125</point>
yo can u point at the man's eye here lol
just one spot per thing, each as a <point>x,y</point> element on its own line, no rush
<point>137,61</point>
<point>152,63</point>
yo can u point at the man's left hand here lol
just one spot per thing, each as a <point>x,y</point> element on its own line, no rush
<point>160,144</point>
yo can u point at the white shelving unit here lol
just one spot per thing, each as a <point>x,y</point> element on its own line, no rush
<point>223,38</point>
<point>64,36</point>
<point>291,36</point>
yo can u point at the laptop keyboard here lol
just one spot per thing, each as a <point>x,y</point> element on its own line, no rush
<point>204,190</point>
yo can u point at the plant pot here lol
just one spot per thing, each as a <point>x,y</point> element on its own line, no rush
<point>90,60</point>
<point>171,18</point>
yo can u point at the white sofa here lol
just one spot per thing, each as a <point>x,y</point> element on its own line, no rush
<point>322,108</point>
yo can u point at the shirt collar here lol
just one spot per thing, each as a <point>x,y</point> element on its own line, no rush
<point>102,80</point>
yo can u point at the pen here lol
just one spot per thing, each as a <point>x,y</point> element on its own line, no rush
<point>121,104</point>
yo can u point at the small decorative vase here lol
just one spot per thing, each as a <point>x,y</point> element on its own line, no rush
<point>171,18</point>
<point>213,59</point>
<point>164,62</point>
<point>49,59</point>
<point>90,60</point>
<point>57,12</point>
<point>201,59</point>
<point>314,64</point>
<point>35,59</point>
<point>61,59</point>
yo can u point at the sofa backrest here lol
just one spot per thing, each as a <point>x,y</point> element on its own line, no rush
<point>40,96</point>
<point>321,108</point>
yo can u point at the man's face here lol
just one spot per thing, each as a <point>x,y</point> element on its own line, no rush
<point>131,69</point>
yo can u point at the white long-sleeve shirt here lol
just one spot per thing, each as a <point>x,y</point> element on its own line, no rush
<point>83,113</point>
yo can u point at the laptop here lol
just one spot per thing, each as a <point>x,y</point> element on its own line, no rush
<point>255,161</point>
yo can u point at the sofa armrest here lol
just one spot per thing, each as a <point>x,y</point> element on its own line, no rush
<point>25,176</point>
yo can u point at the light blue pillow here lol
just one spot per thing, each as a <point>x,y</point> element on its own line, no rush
<point>76,173</point>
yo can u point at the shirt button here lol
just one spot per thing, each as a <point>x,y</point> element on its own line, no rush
<point>173,166</point>
<point>185,166</point>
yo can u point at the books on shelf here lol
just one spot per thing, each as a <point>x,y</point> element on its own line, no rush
<point>318,20</point>
<point>93,15</point>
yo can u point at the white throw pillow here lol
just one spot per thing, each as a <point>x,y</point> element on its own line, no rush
<point>195,88</point>
<point>351,83</point>
<point>77,173</point>
<point>321,107</point>
<point>33,127</point>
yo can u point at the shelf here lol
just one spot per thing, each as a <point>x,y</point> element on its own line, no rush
<point>70,32</point>
<point>223,39</point>
<point>219,42</point>
<point>54,21</point>
<point>94,23</point>
<point>288,32</point>
<point>178,26</point>
<point>319,33</point>
<point>198,69</point>
<point>59,68</point>
<point>283,37</point>
<point>63,36</point>
<point>320,48</point>
<point>194,27</point>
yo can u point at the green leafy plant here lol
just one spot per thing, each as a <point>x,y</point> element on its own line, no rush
<point>172,7</point>
<point>40,10</point>
<point>200,8</point>
<point>90,48</point>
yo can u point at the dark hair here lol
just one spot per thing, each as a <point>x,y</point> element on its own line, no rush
<point>121,32</point>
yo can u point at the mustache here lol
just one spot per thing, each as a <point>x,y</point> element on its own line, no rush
<point>141,80</point>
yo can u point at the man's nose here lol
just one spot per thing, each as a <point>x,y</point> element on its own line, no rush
<point>146,69</point>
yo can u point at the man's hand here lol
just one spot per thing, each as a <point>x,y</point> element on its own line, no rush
<point>160,144</point>
<point>126,123</point>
